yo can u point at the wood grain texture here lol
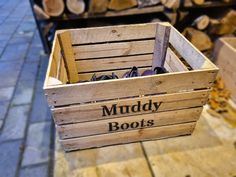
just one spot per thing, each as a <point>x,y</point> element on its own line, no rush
<point>128,136</point>
<point>161,45</point>
<point>90,112</point>
<point>114,63</point>
<point>113,49</point>
<point>224,54</point>
<point>190,53</point>
<point>129,87</point>
<point>68,56</point>
<point>102,126</point>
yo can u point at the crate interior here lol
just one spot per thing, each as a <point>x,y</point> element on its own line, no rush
<point>117,49</point>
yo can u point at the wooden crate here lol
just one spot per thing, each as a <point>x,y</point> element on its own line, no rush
<point>224,54</point>
<point>99,113</point>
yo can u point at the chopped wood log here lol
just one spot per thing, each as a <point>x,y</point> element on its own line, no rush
<point>98,6</point>
<point>121,5</point>
<point>223,25</point>
<point>172,16</point>
<point>198,2</point>
<point>75,6</point>
<point>53,7</point>
<point>171,4</point>
<point>201,22</point>
<point>145,3</point>
<point>198,38</point>
<point>40,14</point>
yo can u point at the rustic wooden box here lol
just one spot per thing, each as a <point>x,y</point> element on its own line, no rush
<point>94,114</point>
<point>225,58</point>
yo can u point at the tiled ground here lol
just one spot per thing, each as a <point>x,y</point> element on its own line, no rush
<point>25,122</point>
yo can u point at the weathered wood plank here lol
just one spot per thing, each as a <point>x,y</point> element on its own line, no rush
<point>161,45</point>
<point>174,62</point>
<point>128,136</point>
<point>190,53</point>
<point>113,33</point>
<point>120,88</point>
<point>68,56</point>
<point>114,63</point>
<point>93,111</point>
<point>138,122</point>
<point>113,49</point>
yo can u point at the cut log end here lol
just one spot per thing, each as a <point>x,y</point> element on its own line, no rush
<point>201,22</point>
<point>76,6</point>
<point>53,7</point>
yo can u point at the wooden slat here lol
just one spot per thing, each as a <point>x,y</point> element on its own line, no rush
<point>113,49</point>
<point>119,73</point>
<point>68,56</point>
<point>120,88</point>
<point>190,53</point>
<point>93,111</point>
<point>113,33</point>
<point>174,62</point>
<point>161,44</point>
<point>108,126</point>
<point>114,63</point>
<point>128,136</point>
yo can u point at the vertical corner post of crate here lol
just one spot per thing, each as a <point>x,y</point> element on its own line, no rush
<point>68,56</point>
<point>161,44</point>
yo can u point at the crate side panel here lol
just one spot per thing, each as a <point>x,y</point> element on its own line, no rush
<point>128,136</point>
<point>113,33</point>
<point>114,63</point>
<point>121,88</point>
<point>94,111</point>
<point>113,49</point>
<point>129,123</point>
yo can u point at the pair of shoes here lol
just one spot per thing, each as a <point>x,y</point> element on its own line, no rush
<point>157,70</point>
<point>102,77</point>
<point>134,72</point>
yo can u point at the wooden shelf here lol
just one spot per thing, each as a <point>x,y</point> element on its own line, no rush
<point>209,4</point>
<point>132,11</point>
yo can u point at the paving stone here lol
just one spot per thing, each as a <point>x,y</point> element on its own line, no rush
<point>34,53</point>
<point>43,67</point>
<point>1,50</point>
<point>6,93</point>
<point>1,124</point>
<point>26,27</point>
<point>3,109</point>
<point>15,123</point>
<point>9,72</point>
<point>37,144</point>
<point>35,171</point>
<point>20,39</point>
<point>24,92</point>
<point>15,52</point>
<point>4,39</point>
<point>10,154</point>
<point>40,109</point>
<point>8,28</point>
<point>29,71</point>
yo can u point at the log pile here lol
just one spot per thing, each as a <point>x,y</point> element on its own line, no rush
<point>220,105</point>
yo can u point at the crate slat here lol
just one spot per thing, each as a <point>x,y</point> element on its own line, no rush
<point>113,49</point>
<point>120,88</point>
<point>128,136</point>
<point>93,111</point>
<point>138,122</point>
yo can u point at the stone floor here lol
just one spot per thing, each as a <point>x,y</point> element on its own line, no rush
<point>25,124</point>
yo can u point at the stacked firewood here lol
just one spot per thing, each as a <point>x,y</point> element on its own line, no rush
<point>220,103</point>
<point>203,29</point>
